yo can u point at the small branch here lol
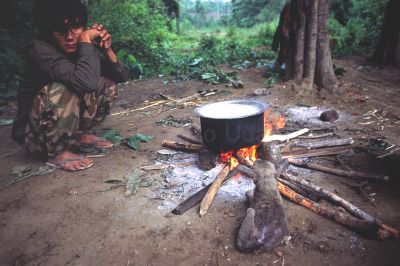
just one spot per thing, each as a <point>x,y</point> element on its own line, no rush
<point>182,146</point>
<point>190,139</point>
<point>337,172</point>
<point>127,111</point>
<point>285,137</point>
<point>325,143</point>
<point>212,191</point>
<point>167,97</point>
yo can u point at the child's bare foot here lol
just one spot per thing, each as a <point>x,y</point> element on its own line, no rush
<point>92,141</point>
<point>69,161</point>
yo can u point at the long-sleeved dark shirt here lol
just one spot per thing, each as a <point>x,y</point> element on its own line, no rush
<point>47,64</point>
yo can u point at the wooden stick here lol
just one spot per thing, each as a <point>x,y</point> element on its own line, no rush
<point>198,196</point>
<point>190,139</point>
<point>332,198</point>
<point>316,136</point>
<point>308,193</point>
<point>325,143</point>
<point>315,152</point>
<point>357,212</point>
<point>337,172</point>
<point>127,111</point>
<point>337,216</point>
<point>182,146</point>
<point>212,191</point>
<point>166,97</point>
<point>185,99</point>
<point>285,137</point>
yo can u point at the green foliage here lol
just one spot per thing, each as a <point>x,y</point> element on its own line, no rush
<point>140,28</point>
<point>355,25</point>
<point>15,32</point>
<point>247,13</point>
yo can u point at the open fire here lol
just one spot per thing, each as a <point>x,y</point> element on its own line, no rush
<point>249,154</point>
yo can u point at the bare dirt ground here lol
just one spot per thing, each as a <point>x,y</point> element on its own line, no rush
<point>62,218</point>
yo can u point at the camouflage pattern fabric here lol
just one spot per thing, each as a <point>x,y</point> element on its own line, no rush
<point>57,112</point>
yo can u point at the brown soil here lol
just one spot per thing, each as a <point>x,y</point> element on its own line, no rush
<point>63,219</point>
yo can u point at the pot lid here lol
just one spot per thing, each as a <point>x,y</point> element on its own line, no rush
<point>231,109</point>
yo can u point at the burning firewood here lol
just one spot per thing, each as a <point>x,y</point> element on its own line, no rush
<point>337,172</point>
<point>182,146</point>
<point>357,212</point>
<point>209,197</point>
<point>264,225</point>
<point>243,160</point>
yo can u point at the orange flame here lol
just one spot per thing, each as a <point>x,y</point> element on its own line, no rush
<point>271,122</point>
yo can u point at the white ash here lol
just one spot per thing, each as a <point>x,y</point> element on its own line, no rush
<point>309,116</point>
<point>179,183</point>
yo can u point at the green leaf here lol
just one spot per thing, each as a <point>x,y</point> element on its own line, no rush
<point>133,142</point>
<point>112,135</point>
<point>144,138</point>
<point>132,59</point>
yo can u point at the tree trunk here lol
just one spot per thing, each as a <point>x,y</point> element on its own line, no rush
<point>303,43</point>
<point>386,51</point>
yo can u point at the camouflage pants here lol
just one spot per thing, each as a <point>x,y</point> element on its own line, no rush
<point>57,112</point>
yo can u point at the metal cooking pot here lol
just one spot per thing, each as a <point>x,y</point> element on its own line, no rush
<point>231,125</point>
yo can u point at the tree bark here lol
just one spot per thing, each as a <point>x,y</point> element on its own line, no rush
<point>324,75</point>
<point>386,51</point>
<point>303,43</point>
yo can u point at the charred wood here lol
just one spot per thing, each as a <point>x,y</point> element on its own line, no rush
<point>207,159</point>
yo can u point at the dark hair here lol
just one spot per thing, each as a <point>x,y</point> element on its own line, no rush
<point>50,15</point>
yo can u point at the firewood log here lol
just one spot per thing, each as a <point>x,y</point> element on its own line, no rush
<point>264,226</point>
<point>212,191</point>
